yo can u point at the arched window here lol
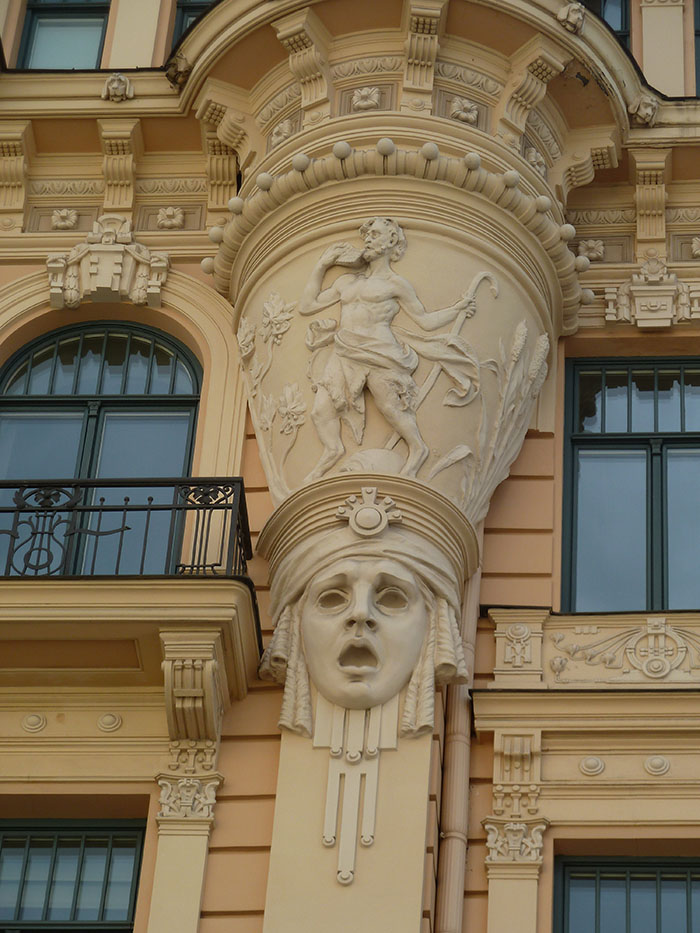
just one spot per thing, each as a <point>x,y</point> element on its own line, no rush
<point>114,403</point>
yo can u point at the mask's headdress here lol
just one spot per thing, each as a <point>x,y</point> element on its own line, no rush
<point>393,518</point>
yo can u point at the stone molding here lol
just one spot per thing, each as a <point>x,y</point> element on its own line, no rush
<point>466,174</point>
<point>108,266</point>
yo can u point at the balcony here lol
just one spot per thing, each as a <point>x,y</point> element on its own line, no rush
<point>98,576</point>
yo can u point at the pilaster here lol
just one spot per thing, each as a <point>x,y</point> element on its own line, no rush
<point>513,868</point>
<point>663,48</point>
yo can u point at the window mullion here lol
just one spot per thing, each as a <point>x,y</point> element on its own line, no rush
<point>78,873</point>
<point>22,876</point>
<point>49,879</point>
<point>656,535</point>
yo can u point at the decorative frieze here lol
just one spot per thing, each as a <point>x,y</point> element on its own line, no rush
<point>122,145</point>
<point>306,40</point>
<point>367,66</point>
<point>460,76</point>
<point>108,266</point>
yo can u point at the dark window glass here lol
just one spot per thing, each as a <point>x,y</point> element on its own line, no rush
<point>63,34</point>
<point>633,451</point>
<point>614,896</point>
<point>616,13</point>
<point>187,12</point>
<point>69,874</point>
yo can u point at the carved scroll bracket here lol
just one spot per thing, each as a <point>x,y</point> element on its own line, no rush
<point>122,146</point>
<point>109,266</point>
<point>532,68</point>
<point>586,152</point>
<point>306,40</point>
<point>16,150</point>
<point>422,46</point>
<point>517,774</point>
<point>196,684</point>
<point>224,115</point>
<point>651,172</point>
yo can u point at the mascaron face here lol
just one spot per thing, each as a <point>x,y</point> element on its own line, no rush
<point>363,622</point>
<point>378,239</point>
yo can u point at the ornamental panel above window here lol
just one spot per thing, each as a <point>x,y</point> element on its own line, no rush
<point>633,469</point>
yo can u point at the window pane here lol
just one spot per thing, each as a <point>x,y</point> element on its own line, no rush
<point>138,366</point>
<point>613,904</point>
<point>695,904</point>
<point>161,368</point>
<point>616,401</point>
<point>612,13</point>
<point>33,445</point>
<point>183,380</point>
<point>581,904</point>
<point>611,545</point>
<point>92,879</point>
<point>691,379</point>
<point>65,874</point>
<point>589,404</point>
<point>66,359</point>
<point>643,904</point>
<point>65,42</point>
<point>36,877</point>
<point>683,517</point>
<point>16,384</point>
<point>11,860</point>
<point>669,400</point>
<point>643,400</point>
<point>674,917</point>
<point>121,872</point>
<point>115,355</point>
<point>90,360</point>
<point>42,363</point>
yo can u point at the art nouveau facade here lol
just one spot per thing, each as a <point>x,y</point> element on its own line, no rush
<point>424,273</point>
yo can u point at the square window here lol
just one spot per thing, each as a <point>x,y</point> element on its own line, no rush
<point>63,36</point>
<point>633,465</point>
<point>60,875</point>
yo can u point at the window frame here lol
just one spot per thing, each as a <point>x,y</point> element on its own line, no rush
<point>85,829</point>
<point>656,444</point>
<point>184,9</point>
<point>622,34</point>
<point>563,863</point>
<point>68,9</point>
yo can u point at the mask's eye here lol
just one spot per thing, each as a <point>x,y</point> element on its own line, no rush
<point>392,599</point>
<point>332,600</point>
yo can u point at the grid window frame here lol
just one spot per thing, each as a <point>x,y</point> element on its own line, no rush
<point>38,10</point>
<point>657,443</point>
<point>627,870</point>
<point>85,832</point>
<point>187,13</point>
<point>599,8</point>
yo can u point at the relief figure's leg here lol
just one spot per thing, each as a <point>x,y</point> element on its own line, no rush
<point>393,399</point>
<point>327,423</point>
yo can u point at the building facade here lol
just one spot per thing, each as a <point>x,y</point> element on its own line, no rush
<point>425,275</point>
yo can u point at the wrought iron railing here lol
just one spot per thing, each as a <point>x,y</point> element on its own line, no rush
<point>124,527</point>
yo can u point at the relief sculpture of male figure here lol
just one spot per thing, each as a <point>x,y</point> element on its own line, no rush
<point>366,352</point>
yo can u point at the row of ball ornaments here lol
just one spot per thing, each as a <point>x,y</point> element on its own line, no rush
<point>387,147</point>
